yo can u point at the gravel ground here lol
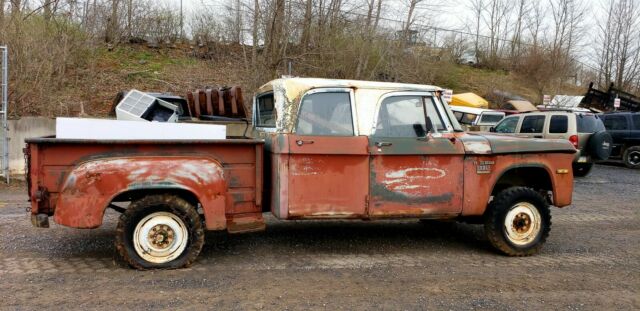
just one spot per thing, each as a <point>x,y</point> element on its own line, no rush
<point>590,262</point>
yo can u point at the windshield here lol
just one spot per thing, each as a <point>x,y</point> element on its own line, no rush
<point>452,118</point>
<point>589,123</point>
<point>465,118</point>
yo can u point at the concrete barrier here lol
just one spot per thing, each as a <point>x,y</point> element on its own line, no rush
<point>20,129</point>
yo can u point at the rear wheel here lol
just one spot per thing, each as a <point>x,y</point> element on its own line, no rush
<point>582,169</point>
<point>631,157</point>
<point>518,221</point>
<point>159,232</point>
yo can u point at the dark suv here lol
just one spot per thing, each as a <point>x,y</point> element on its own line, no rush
<point>624,127</point>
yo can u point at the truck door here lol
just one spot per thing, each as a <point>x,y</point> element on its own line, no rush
<point>416,161</point>
<point>328,164</point>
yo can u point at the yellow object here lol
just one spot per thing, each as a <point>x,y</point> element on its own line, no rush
<point>562,171</point>
<point>469,100</point>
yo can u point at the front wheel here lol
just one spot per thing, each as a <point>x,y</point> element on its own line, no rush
<point>517,221</point>
<point>159,232</point>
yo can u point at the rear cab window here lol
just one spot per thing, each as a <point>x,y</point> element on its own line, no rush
<point>265,111</point>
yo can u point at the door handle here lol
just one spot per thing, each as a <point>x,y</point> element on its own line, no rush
<point>383,143</point>
<point>302,142</point>
<point>537,136</point>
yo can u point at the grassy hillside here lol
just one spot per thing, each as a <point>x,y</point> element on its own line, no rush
<point>93,86</point>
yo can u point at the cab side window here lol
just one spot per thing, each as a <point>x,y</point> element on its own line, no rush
<point>326,114</point>
<point>401,116</point>
<point>532,124</point>
<point>508,125</point>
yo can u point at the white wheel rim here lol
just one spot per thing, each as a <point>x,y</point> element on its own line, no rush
<point>522,223</point>
<point>160,237</point>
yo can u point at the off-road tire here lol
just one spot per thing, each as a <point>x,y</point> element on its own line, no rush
<point>497,210</point>
<point>147,205</point>
<point>628,153</point>
<point>582,169</point>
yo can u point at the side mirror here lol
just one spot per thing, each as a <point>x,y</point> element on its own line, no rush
<point>492,129</point>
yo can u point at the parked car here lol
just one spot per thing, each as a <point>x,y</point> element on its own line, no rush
<point>476,119</point>
<point>624,127</point>
<point>325,149</point>
<point>468,58</point>
<point>585,131</point>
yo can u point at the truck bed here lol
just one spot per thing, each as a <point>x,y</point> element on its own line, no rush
<point>50,161</point>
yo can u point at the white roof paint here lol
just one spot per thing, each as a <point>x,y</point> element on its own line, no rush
<point>289,91</point>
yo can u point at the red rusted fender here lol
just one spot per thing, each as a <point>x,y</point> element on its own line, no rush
<point>92,185</point>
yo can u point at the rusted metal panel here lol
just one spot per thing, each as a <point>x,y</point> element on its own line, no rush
<point>223,102</point>
<point>416,178</point>
<point>327,177</point>
<point>248,222</point>
<point>79,196</point>
<point>91,186</point>
<point>277,149</point>
<point>481,173</point>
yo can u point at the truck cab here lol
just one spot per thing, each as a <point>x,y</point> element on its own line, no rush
<point>399,147</point>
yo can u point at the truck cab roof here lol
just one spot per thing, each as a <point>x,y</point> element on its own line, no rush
<point>285,95</point>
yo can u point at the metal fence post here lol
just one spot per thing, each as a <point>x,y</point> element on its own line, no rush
<point>3,112</point>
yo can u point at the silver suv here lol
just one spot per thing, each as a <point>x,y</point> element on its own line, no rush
<point>584,130</point>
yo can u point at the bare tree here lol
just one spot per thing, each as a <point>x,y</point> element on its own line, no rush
<point>254,35</point>
<point>534,21</point>
<point>112,23</point>
<point>477,7</point>
<point>15,7</point>
<point>522,10</point>
<point>619,50</point>
<point>409,21</point>
<point>2,4</point>
<point>496,15</point>
<point>371,23</point>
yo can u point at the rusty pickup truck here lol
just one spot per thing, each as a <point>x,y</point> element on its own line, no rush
<point>322,149</point>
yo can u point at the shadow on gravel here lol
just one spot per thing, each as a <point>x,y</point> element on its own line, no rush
<point>349,237</point>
